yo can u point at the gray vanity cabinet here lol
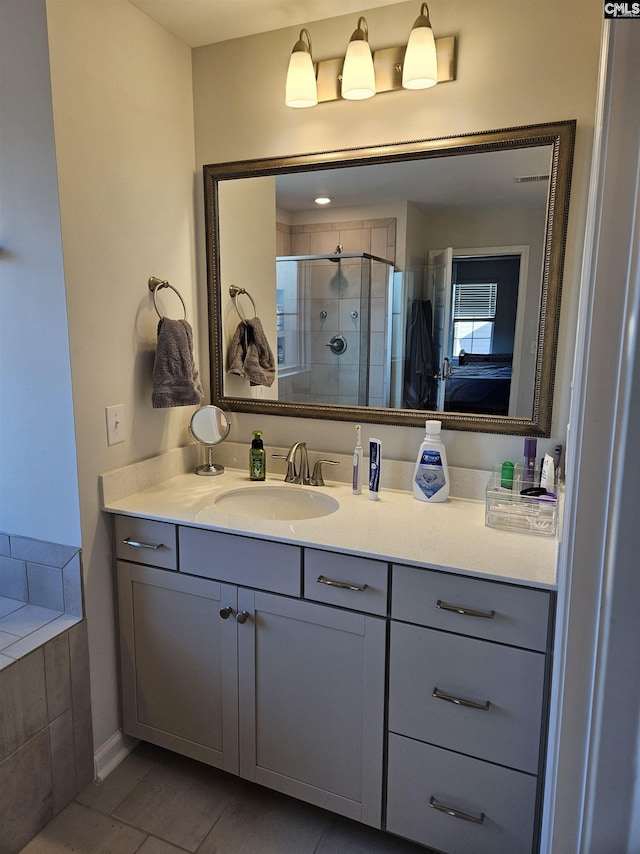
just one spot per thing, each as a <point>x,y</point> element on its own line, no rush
<point>311,699</point>
<point>286,665</point>
<point>285,692</point>
<point>179,663</point>
<point>468,673</point>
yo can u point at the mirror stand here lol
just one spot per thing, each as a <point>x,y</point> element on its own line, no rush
<point>209,426</point>
<point>210,468</point>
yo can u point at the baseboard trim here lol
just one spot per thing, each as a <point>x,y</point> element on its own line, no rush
<point>109,755</point>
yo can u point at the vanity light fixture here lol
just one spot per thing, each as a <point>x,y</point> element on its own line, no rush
<point>424,62</point>
<point>358,73</point>
<point>302,88</point>
<point>420,66</point>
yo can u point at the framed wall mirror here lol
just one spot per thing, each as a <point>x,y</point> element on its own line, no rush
<point>427,286</point>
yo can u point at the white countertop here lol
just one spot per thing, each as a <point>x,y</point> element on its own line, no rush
<point>450,536</point>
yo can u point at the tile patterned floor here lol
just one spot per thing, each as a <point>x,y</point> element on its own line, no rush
<point>157,802</point>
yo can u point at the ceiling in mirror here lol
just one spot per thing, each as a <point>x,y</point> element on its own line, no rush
<point>430,284</point>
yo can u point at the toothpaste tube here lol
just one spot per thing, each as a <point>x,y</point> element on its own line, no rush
<point>375,452</point>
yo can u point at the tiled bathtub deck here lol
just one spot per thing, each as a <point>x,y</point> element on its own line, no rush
<point>24,627</point>
<point>40,594</point>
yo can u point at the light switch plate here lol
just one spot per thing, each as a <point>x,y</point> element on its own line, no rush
<point>115,424</point>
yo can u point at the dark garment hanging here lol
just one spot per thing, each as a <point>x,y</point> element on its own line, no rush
<point>421,362</point>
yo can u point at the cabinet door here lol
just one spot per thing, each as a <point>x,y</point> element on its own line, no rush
<point>311,681</point>
<point>179,663</point>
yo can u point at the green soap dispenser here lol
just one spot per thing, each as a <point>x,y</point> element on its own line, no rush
<point>257,458</point>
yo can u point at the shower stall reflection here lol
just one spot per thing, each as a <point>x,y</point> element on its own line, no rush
<point>334,328</point>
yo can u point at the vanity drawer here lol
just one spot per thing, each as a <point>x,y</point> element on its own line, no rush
<point>499,803</point>
<point>471,606</point>
<point>489,697</point>
<point>351,582</point>
<point>244,561</point>
<point>146,541</point>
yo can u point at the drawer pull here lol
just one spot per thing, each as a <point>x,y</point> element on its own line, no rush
<point>460,701</point>
<point>465,816</point>
<point>135,544</point>
<point>343,585</point>
<point>467,612</point>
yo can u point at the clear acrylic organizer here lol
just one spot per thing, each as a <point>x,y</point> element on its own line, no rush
<point>508,510</point>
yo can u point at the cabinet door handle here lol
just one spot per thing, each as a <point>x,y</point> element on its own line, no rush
<point>465,816</point>
<point>460,701</point>
<point>225,613</point>
<point>135,544</point>
<point>242,616</point>
<point>467,612</point>
<point>343,585</point>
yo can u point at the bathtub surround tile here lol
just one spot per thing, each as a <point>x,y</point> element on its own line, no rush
<point>5,547</point>
<point>63,761</point>
<point>13,579</point>
<point>79,829</point>
<point>45,586</point>
<point>79,659</point>
<point>35,639</point>
<point>8,605</point>
<point>72,586</point>
<point>26,620</point>
<point>23,702</point>
<point>26,804</point>
<point>39,551</point>
<point>57,675</point>
<point>6,639</point>
<point>83,742</point>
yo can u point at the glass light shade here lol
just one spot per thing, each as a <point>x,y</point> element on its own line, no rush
<point>358,74</point>
<point>301,88</point>
<point>420,66</point>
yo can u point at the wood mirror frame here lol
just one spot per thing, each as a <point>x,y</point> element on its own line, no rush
<point>560,136</point>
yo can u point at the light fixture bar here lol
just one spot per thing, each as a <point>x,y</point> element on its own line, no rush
<point>387,64</point>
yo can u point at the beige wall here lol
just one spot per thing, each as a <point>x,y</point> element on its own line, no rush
<point>519,63</point>
<point>121,88</point>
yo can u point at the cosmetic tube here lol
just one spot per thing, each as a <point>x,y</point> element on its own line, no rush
<point>375,454</point>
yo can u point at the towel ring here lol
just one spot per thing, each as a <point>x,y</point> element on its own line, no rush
<point>155,285</point>
<point>234,292</point>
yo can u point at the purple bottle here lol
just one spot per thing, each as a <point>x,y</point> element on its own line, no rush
<point>530,449</point>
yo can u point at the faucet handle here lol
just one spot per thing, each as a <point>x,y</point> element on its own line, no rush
<point>316,477</point>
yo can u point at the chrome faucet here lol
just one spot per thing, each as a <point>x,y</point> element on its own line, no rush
<point>295,475</point>
<point>300,474</point>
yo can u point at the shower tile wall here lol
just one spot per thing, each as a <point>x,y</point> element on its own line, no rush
<point>337,291</point>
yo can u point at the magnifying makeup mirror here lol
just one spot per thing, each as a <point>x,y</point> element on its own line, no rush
<point>209,426</point>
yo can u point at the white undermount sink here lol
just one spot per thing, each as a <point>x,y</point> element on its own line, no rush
<point>276,502</point>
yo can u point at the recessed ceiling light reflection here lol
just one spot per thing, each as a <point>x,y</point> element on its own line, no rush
<point>323,200</point>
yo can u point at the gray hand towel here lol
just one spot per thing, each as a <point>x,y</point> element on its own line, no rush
<point>249,354</point>
<point>175,376</point>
